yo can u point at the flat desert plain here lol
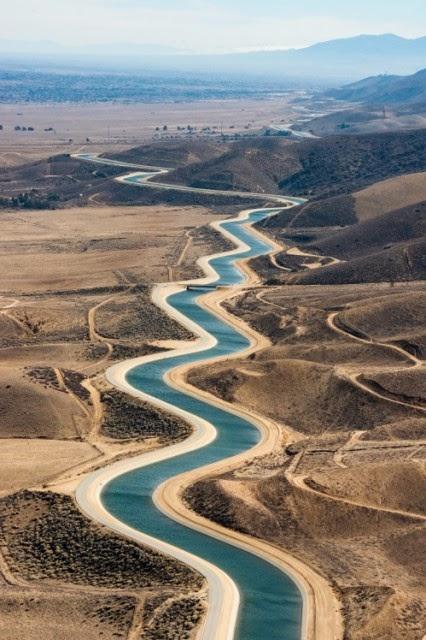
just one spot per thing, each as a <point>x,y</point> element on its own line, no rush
<point>121,125</point>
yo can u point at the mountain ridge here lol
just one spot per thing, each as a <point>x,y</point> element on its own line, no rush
<point>391,89</point>
<point>342,59</point>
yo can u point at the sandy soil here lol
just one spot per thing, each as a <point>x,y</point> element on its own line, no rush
<point>26,462</point>
<point>50,250</point>
<point>22,613</point>
<point>390,195</point>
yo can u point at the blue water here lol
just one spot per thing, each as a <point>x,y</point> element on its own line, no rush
<point>271,603</point>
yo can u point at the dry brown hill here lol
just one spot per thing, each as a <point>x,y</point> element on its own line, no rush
<point>172,153</point>
<point>319,168</point>
<point>52,182</point>
<point>325,167</point>
<point>371,202</point>
<point>398,486</point>
<point>340,164</point>
<point>251,165</point>
<point>401,263</point>
<point>390,195</point>
<point>385,89</point>
<point>62,181</point>
<point>397,319</point>
<point>386,248</point>
<point>375,235</point>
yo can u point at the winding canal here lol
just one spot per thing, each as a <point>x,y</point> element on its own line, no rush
<point>270,602</point>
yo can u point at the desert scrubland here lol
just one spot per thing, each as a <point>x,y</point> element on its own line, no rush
<point>75,297</point>
<point>342,307</point>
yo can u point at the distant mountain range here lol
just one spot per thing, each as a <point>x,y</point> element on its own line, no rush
<point>392,90</point>
<point>351,58</point>
<point>335,61</point>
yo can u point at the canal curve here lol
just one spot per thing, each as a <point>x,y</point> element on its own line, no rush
<point>267,604</point>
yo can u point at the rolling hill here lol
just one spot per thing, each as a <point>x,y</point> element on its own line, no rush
<point>368,203</point>
<point>390,248</point>
<point>313,168</point>
<point>377,234</point>
<point>322,168</point>
<point>385,89</point>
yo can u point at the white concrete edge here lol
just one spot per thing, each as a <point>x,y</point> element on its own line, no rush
<point>97,159</point>
<point>152,172</point>
<point>291,572</point>
<point>224,596</point>
<point>146,181</point>
<point>222,614</point>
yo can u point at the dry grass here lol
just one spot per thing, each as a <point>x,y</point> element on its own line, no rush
<point>345,491</point>
<point>65,575</point>
<point>118,125</point>
<point>56,250</point>
<point>48,539</point>
<point>390,195</point>
<point>31,410</point>
<point>25,615</point>
<point>26,463</point>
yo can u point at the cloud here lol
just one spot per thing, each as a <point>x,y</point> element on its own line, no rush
<point>199,25</point>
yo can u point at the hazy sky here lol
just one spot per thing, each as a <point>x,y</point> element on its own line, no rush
<point>207,25</point>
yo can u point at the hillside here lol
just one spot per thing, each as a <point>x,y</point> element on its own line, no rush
<point>341,164</point>
<point>376,104</point>
<point>401,263</point>
<point>366,120</point>
<point>377,234</point>
<point>389,195</point>
<point>388,248</point>
<point>374,235</point>
<point>326,167</point>
<point>252,165</point>
<point>172,153</point>
<point>50,183</point>
<point>395,319</point>
<point>385,89</point>
<point>313,168</point>
<point>369,203</point>
<point>61,181</point>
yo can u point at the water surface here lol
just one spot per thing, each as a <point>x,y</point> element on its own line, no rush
<point>271,603</point>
